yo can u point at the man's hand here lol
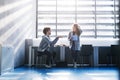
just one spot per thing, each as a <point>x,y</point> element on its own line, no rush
<point>61,36</point>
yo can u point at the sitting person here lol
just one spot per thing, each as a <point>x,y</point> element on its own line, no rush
<point>46,45</point>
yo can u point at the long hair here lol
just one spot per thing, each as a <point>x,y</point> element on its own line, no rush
<point>77,27</point>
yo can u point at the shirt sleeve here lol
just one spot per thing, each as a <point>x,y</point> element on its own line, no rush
<point>69,36</point>
<point>51,43</point>
<point>80,31</point>
<point>54,41</point>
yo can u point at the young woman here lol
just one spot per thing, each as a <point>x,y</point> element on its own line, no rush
<point>74,38</point>
<point>46,45</point>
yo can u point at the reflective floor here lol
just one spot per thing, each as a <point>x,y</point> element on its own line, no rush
<point>25,73</point>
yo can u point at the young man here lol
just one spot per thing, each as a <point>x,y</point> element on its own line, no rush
<point>46,45</point>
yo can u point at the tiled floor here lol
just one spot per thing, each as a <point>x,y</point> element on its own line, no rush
<point>25,73</point>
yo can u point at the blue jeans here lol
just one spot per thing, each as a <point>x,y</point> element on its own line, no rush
<point>75,55</point>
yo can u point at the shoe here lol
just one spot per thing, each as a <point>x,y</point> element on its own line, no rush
<point>48,66</point>
<point>75,65</point>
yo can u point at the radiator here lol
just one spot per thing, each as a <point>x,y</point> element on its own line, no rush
<point>62,53</point>
<point>6,58</point>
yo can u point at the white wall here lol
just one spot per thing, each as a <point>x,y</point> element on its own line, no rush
<point>17,22</point>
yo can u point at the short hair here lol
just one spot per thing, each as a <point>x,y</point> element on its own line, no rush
<point>46,29</point>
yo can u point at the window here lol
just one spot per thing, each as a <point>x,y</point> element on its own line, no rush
<point>97,18</point>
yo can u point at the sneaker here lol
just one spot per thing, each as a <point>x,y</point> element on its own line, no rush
<point>48,66</point>
<point>75,65</point>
